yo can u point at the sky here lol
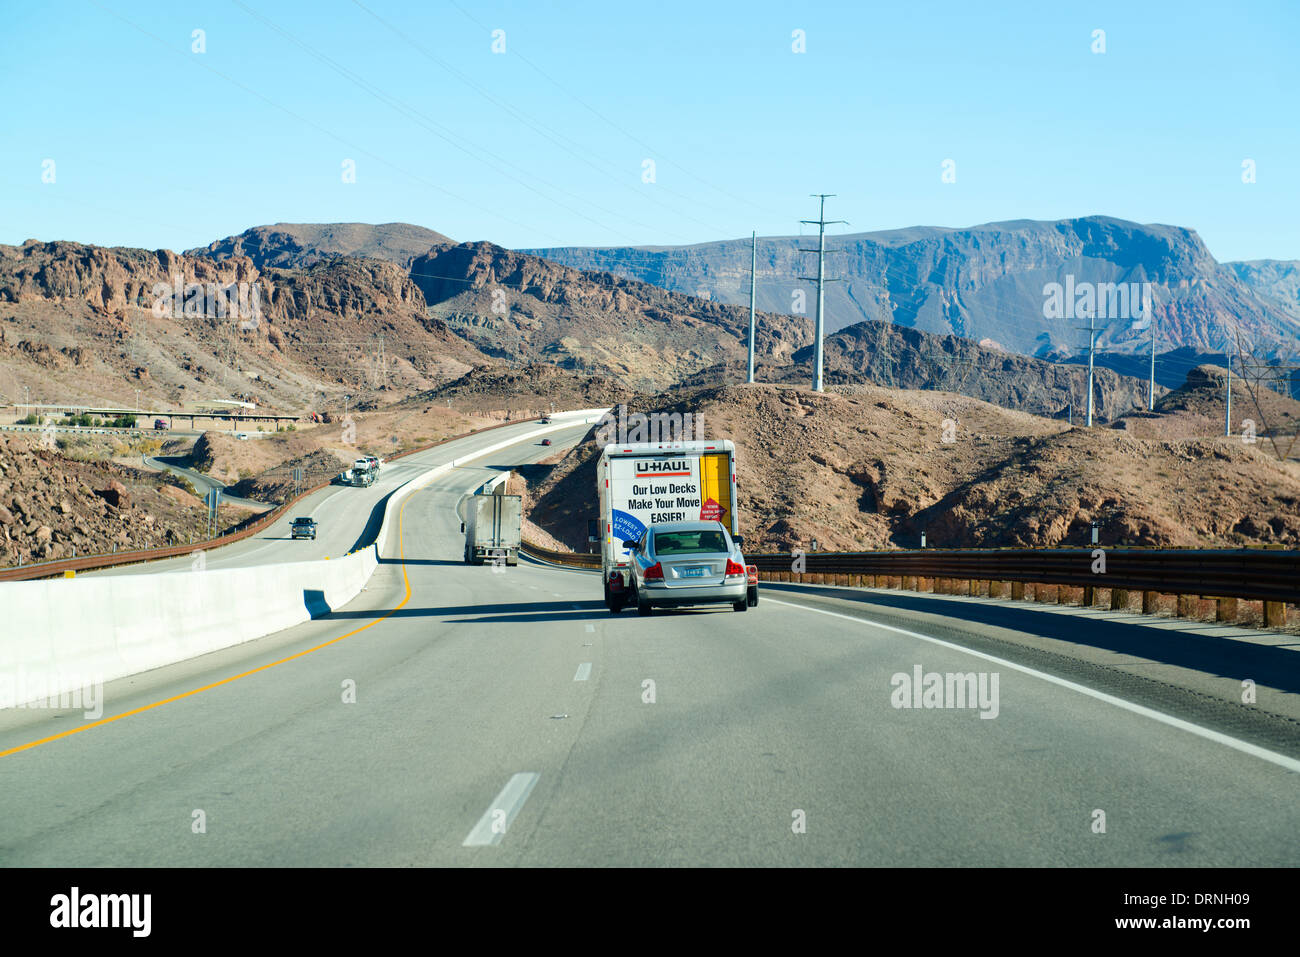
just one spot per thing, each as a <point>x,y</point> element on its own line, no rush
<point>657,123</point>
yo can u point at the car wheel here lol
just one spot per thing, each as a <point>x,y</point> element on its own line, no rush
<point>739,605</point>
<point>642,606</point>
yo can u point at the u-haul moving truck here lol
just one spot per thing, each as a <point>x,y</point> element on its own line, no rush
<point>643,484</point>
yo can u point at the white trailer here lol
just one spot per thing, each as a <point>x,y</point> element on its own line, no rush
<point>643,484</point>
<point>491,524</point>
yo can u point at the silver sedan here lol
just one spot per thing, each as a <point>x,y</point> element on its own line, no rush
<point>687,563</point>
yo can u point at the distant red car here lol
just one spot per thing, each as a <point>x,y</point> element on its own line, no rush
<point>546,441</point>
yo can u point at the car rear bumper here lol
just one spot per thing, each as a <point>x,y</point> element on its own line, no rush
<point>662,596</point>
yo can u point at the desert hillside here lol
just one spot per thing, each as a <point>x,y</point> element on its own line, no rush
<point>871,469</point>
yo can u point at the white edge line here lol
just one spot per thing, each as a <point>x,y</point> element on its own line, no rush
<point>1291,764</point>
<point>509,801</point>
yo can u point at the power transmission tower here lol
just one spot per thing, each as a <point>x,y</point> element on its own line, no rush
<point>821,281</point>
<point>753,265</point>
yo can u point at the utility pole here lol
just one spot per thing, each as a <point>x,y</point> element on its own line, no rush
<point>821,280</point>
<point>753,264</point>
<point>1227,413</point>
<point>1092,348</point>
<point>1151,386</point>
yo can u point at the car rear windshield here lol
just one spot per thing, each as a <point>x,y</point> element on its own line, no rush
<point>686,543</point>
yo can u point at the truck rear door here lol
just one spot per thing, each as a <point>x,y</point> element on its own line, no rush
<point>715,488</point>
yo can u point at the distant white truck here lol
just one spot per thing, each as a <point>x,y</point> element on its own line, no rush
<point>650,483</point>
<point>491,524</point>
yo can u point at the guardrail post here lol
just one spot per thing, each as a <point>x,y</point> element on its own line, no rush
<point>1186,606</point>
<point>1118,599</point>
<point>1275,614</point>
<point>1225,609</point>
<point>1089,596</point>
<point>1017,591</point>
<point>1150,602</point>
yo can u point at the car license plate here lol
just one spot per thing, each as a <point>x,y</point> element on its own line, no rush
<point>696,572</point>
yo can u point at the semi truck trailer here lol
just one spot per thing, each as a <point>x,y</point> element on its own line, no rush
<point>491,524</point>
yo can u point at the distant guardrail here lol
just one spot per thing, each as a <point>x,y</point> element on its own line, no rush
<point>1268,575</point>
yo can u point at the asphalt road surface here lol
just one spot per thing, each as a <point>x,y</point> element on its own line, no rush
<point>504,717</point>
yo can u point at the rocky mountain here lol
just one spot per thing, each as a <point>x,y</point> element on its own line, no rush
<point>82,321</point>
<point>991,282</point>
<point>525,309</point>
<point>1275,281</point>
<point>298,245</point>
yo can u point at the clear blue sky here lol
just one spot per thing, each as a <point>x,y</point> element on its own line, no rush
<point>157,146</point>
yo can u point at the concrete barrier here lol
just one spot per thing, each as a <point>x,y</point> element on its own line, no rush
<point>61,634</point>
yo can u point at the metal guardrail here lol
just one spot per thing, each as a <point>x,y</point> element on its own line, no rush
<point>576,559</point>
<point>89,562</point>
<point>1257,574</point>
<point>1249,573</point>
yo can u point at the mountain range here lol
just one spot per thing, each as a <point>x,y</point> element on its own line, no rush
<point>992,283</point>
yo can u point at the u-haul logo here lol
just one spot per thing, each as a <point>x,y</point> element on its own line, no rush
<point>662,467</point>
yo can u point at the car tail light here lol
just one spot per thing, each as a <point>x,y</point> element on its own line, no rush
<point>655,572</point>
<point>734,568</point>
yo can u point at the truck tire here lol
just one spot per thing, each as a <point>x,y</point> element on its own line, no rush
<point>739,605</point>
<point>751,596</point>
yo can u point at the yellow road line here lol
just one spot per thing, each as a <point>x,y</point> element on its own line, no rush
<point>401,548</point>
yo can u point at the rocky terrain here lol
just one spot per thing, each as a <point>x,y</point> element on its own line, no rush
<point>79,323</point>
<point>1197,409</point>
<point>1274,280</point>
<point>871,469</point>
<point>523,309</point>
<point>884,354</point>
<point>981,282</point>
<point>51,504</point>
<point>532,387</point>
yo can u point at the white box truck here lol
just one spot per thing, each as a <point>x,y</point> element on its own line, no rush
<point>491,524</point>
<point>642,484</point>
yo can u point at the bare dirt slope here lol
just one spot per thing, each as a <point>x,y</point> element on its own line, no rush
<point>51,504</point>
<point>872,469</point>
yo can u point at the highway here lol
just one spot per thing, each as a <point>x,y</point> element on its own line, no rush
<point>347,517</point>
<point>505,718</point>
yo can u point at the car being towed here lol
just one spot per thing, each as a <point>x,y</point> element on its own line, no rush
<point>687,563</point>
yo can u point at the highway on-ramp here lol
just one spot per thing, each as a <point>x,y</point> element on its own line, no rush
<point>455,715</point>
